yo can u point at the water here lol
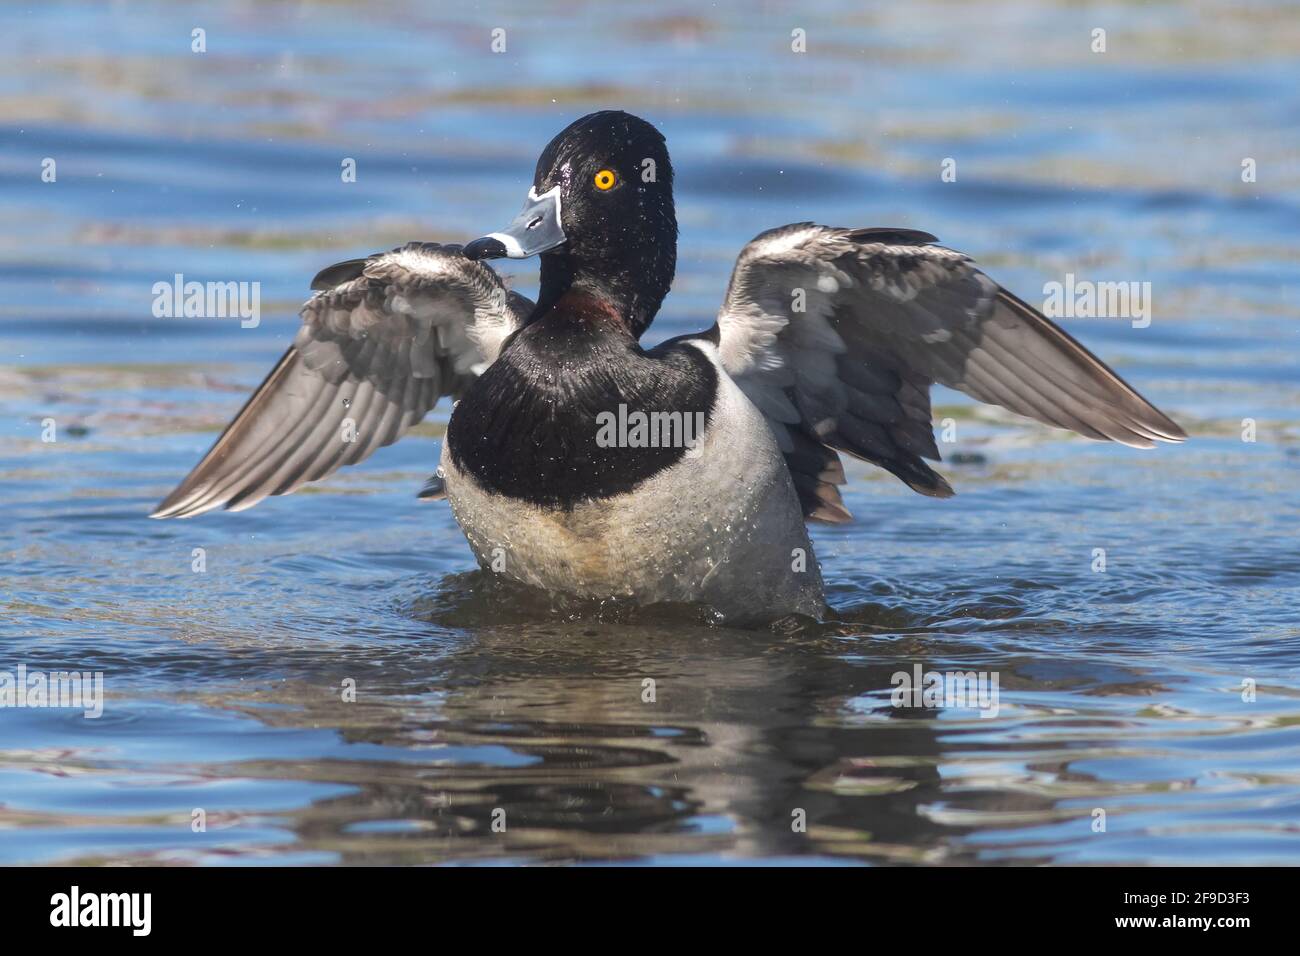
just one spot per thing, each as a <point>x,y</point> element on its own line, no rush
<point>1120,690</point>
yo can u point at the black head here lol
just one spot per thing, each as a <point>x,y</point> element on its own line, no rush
<point>601,216</point>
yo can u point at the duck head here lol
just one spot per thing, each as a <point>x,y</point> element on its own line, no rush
<point>600,214</point>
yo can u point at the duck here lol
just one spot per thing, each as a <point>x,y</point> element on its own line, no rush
<point>580,462</point>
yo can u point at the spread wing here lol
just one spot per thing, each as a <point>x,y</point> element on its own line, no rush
<point>884,316</point>
<point>382,340</point>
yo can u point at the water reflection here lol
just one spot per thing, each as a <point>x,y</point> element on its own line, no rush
<point>535,739</point>
<point>552,723</point>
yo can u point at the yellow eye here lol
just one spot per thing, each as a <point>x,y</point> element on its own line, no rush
<point>605,180</point>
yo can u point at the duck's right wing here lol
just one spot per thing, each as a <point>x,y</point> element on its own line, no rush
<point>382,340</point>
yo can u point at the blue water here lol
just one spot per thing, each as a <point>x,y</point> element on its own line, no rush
<point>1121,690</point>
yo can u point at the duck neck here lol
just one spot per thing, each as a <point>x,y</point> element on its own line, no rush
<point>635,293</point>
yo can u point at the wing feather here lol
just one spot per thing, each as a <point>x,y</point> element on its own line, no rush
<point>382,340</point>
<point>882,316</point>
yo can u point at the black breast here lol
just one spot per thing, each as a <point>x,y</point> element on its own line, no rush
<point>530,426</point>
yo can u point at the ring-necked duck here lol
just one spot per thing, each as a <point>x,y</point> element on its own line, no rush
<point>576,460</point>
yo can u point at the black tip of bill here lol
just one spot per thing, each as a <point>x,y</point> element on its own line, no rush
<point>485,248</point>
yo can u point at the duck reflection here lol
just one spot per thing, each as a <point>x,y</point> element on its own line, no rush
<point>577,733</point>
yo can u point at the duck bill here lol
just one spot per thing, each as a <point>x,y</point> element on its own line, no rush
<point>535,230</point>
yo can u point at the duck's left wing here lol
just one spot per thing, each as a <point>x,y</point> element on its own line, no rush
<point>837,335</point>
<point>382,340</point>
